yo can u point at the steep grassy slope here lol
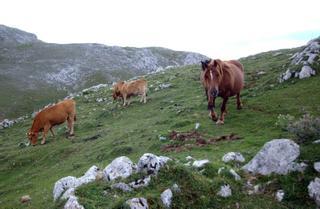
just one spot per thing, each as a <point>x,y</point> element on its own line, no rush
<point>106,130</point>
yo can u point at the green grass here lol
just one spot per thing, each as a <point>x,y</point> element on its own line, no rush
<point>107,130</point>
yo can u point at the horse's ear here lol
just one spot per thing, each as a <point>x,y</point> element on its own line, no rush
<point>204,65</point>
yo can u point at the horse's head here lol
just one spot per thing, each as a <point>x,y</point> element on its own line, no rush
<point>212,75</point>
<point>33,137</point>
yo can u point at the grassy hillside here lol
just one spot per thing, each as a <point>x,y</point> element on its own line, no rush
<point>106,130</point>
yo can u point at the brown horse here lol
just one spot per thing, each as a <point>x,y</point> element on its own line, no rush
<point>223,79</point>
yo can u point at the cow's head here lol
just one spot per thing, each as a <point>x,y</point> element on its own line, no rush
<point>116,90</point>
<point>33,137</point>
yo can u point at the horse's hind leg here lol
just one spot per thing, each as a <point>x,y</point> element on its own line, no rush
<point>223,111</point>
<point>239,103</point>
<point>71,125</point>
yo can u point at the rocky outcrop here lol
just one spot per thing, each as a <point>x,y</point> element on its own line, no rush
<point>302,62</point>
<point>66,184</point>
<point>276,156</point>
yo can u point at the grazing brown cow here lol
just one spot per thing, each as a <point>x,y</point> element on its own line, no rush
<point>223,79</point>
<point>51,116</point>
<point>132,88</point>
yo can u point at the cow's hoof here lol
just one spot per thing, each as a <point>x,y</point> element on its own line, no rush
<point>219,122</point>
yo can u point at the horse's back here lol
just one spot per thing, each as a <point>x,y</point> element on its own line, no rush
<point>237,64</point>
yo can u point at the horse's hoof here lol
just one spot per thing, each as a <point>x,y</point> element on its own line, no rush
<point>42,143</point>
<point>219,122</point>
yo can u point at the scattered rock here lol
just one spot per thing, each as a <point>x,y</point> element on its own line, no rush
<point>151,164</point>
<point>276,156</point>
<point>233,156</point>
<point>197,126</point>
<point>220,170</point>
<point>120,167</point>
<point>162,138</point>
<point>138,203</point>
<point>166,198</point>
<point>73,203</point>
<point>175,188</point>
<point>189,158</point>
<point>279,195</point>
<point>235,175</point>
<point>316,141</point>
<point>122,186</point>
<point>314,190</point>
<point>225,191</point>
<point>25,198</point>
<point>316,166</point>
<point>200,163</point>
<point>165,85</point>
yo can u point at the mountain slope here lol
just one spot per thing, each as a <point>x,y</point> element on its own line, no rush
<point>105,130</point>
<point>33,71</point>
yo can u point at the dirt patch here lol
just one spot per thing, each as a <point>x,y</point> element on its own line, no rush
<point>182,141</point>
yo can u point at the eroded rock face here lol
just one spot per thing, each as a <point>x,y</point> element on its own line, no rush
<point>276,156</point>
<point>166,198</point>
<point>314,190</point>
<point>233,156</point>
<point>151,164</point>
<point>120,167</point>
<point>138,203</point>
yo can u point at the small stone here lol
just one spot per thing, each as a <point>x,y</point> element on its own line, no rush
<point>25,198</point>
<point>316,166</point>
<point>175,188</point>
<point>138,203</point>
<point>279,195</point>
<point>233,156</point>
<point>122,186</point>
<point>189,158</point>
<point>166,198</point>
<point>314,190</point>
<point>197,126</point>
<point>225,191</point>
<point>200,163</point>
<point>235,175</point>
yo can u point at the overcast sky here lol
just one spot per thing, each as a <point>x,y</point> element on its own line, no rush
<point>219,29</point>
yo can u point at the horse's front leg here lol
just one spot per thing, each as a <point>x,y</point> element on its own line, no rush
<point>223,111</point>
<point>239,103</point>
<point>211,107</point>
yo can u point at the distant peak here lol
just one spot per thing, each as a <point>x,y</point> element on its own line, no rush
<point>16,36</point>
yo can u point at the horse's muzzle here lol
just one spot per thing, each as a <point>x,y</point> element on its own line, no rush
<point>215,92</point>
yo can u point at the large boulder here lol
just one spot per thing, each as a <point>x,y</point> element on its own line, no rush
<point>151,164</point>
<point>120,167</point>
<point>306,72</point>
<point>314,190</point>
<point>276,156</point>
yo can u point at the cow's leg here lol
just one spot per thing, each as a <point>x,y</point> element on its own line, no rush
<point>145,97</point>
<point>223,111</point>
<point>70,125</point>
<point>45,131</point>
<point>211,107</point>
<point>51,130</point>
<point>124,99</point>
<point>239,103</point>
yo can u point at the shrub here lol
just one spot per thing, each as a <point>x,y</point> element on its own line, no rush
<point>283,121</point>
<point>306,129</point>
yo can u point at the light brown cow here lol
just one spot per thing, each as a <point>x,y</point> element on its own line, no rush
<point>132,88</point>
<point>51,116</point>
